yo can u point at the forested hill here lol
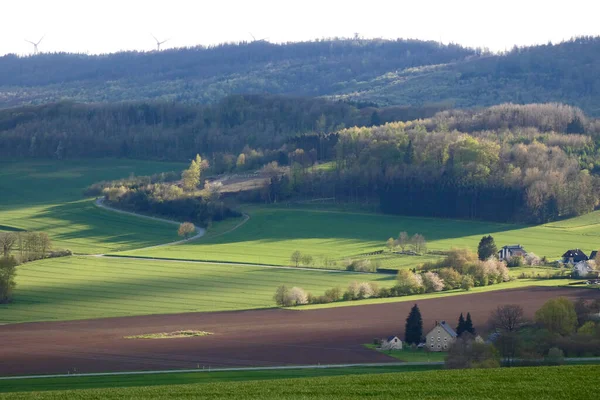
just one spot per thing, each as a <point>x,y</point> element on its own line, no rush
<point>400,72</point>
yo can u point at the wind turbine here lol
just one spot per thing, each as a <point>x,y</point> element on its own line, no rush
<point>158,43</point>
<point>35,45</point>
<point>257,40</point>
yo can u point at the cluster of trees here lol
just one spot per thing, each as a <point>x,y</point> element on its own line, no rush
<point>177,200</point>
<point>461,268</point>
<point>521,175</point>
<point>19,247</point>
<point>416,243</point>
<point>297,296</point>
<point>560,328</point>
<point>413,328</point>
<point>27,246</point>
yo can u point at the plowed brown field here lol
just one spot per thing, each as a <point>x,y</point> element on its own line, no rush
<point>246,338</point>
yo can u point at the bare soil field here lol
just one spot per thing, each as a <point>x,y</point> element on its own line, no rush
<point>244,338</point>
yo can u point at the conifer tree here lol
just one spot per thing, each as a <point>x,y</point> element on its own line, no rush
<point>461,325</point>
<point>414,326</point>
<point>487,248</point>
<point>468,327</point>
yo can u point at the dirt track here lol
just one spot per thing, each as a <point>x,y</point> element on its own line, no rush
<point>245,338</point>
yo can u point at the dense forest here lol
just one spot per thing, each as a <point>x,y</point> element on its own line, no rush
<point>382,72</point>
<point>177,132</point>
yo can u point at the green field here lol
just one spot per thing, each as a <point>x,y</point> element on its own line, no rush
<point>179,378</point>
<point>566,382</point>
<point>91,287</point>
<point>273,234</point>
<point>47,196</point>
<point>409,355</point>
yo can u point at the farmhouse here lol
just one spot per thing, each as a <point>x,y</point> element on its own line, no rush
<point>440,337</point>
<point>583,269</point>
<point>508,252</point>
<point>574,256</point>
<point>391,343</point>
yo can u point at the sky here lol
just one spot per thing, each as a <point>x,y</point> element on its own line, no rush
<point>106,26</point>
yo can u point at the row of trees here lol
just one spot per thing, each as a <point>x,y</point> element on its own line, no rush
<point>417,243</point>
<point>25,246</point>
<point>295,296</point>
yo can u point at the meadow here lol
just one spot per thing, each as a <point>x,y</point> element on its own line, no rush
<point>48,196</point>
<point>273,233</point>
<point>514,383</point>
<point>83,287</point>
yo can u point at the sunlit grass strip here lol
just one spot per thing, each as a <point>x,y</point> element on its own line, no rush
<point>170,335</point>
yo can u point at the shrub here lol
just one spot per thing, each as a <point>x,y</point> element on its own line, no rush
<point>516,261</point>
<point>432,282</point>
<point>297,296</point>
<point>360,266</point>
<point>333,294</point>
<point>555,356</point>
<point>532,260</point>
<point>408,282</point>
<point>452,279</point>
<point>467,282</point>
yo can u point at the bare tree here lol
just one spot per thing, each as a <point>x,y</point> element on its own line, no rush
<point>403,240</point>
<point>7,242</point>
<point>507,318</point>
<point>296,257</point>
<point>418,243</point>
<point>45,243</point>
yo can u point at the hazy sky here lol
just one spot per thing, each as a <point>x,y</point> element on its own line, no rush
<point>100,26</point>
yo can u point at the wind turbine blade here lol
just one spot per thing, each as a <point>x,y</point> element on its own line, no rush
<point>253,38</point>
<point>155,38</point>
<point>39,41</point>
<point>29,41</point>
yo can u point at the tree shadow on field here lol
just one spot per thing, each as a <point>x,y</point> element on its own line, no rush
<point>83,221</point>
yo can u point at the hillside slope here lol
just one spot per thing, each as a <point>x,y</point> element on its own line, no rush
<point>380,71</point>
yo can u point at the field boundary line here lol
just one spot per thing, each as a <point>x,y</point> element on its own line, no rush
<point>234,369</point>
<point>231,263</point>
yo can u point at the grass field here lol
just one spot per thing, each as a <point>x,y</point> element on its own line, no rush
<point>515,383</point>
<point>180,378</point>
<point>273,234</point>
<point>92,287</point>
<point>47,196</point>
<point>410,355</point>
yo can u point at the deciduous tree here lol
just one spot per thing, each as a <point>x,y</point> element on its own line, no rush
<point>558,316</point>
<point>7,242</point>
<point>507,318</point>
<point>186,229</point>
<point>296,257</point>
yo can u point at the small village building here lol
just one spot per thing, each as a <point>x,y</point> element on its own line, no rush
<point>574,256</point>
<point>391,343</point>
<point>583,269</point>
<point>508,252</point>
<point>441,337</point>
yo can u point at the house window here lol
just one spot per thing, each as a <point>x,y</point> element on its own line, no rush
<point>432,345</point>
<point>445,346</point>
<point>439,331</point>
<point>432,338</point>
<point>439,339</point>
<point>445,339</point>
<point>439,346</point>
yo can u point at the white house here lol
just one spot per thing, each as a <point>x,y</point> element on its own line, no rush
<point>508,252</point>
<point>391,343</point>
<point>440,337</point>
<point>583,269</point>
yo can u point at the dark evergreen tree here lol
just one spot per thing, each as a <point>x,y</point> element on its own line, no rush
<point>375,119</point>
<point>487,247</point>
<point>461,325</point>
<point>469,325</point>
<point>414,326</point>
